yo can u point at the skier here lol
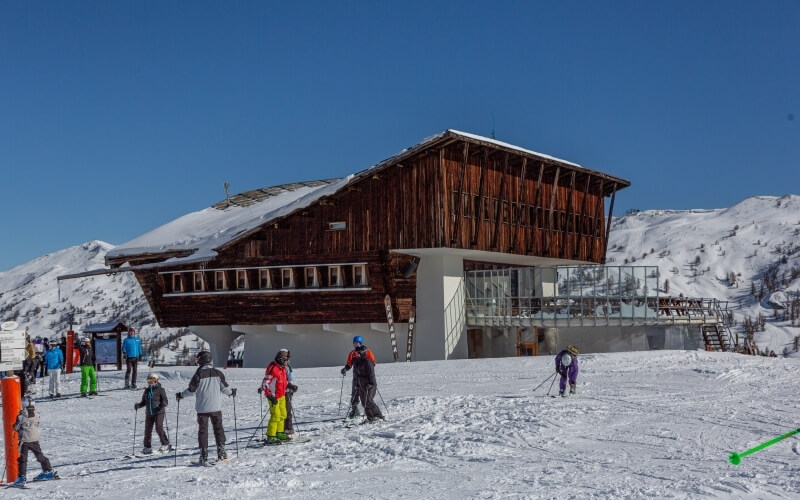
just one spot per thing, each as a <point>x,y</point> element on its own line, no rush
<point>53,359</point>
<point>39,347</point>
<point>27,425</point>
<point>357,341</point>
<point>567,367</point>
<point>87,363</point>
<point>154,400</point>
<point>288,424</point>
<point>364,377</point>
<point>132,348</point>
<point>274,388</point>
<point>207,384</point>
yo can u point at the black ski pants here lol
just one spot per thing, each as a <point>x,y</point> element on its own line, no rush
<point>130,370</point>
<point>202,431</point>
<point>158,421</point>
<point>22,461</point>
<point>366,393</point>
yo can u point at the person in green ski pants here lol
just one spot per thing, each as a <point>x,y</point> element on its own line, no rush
<point>87,362</point>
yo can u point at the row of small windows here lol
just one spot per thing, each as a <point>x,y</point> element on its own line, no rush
<point>334,276</point>
<point>472,206</point>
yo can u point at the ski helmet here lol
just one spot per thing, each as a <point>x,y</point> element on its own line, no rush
<point>280,358</point>
<point>203,358</point>
<point>566,360</point>
<point>572,350</point>
<point>359,339</point>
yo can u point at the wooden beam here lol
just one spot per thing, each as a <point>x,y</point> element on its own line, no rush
<point>457,228</point>
<point>579,230</point>
<point>520,211</point>
<point>567,210</point>
<point>500,199</point>
<point>597,213</point>
<point>546,249</point>
<point>440,197</point>
<point>608,222</point>
<point>477,208</point>
<point>536,193</point>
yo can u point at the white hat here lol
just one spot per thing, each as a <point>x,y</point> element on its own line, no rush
<point>153,375</point>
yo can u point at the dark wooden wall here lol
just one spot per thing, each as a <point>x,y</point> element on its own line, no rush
<point>460,195</point>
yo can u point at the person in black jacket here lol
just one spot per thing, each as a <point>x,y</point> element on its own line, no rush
<point>154,401</point>
<point>364,377</point>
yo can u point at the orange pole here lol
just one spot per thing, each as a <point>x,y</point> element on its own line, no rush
<point>12,404</point>
<point>70,344</point>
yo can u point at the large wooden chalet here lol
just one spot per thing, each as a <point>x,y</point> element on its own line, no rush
<point>306,266</point>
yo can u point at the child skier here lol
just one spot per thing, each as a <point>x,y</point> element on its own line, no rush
<point>364,377</point>
<point>357,341</point>
<point>207,384</point>
<point>154,401</point>
<point>54,359</point>
<point>567,367</point>
<point>274,388</point>
<point>27,425</point>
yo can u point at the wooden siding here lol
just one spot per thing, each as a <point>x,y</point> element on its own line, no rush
<point>460,194</point>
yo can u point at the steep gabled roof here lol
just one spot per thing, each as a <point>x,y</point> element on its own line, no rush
<point>197,236</point>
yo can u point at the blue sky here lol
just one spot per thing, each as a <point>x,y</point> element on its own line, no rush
<point>117,117</point>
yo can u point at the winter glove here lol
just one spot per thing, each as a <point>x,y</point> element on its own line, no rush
<point>136,406</point>
<point>233,392</point>
<point>260,390</point>
<point>179,396</point>
<point>272,399</point>
<point>344,370</point>
<point>292,387</point>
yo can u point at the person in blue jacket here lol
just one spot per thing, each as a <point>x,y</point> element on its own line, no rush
<point>54,360</point>
<point>567,367</point>
<point>132,348</point>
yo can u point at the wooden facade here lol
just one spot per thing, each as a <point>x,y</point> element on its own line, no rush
<point>455,192</point>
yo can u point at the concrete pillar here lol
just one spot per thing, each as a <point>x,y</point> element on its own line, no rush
<point>441,324</point>
<point>219,339</point>
<point>550,344</point>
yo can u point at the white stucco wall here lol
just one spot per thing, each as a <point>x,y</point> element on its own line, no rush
<point>441,325</point>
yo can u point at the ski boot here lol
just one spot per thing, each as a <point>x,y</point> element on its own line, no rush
<point>47,475</point>
<point>203,459</point>
<point>58,395</point>
<point>221,455</point>
<point>147,451</point>
<point>127,385</point>
<point>272,440</point>
<point>20,481</point>
<point>572,389</point>
<point>354,413</point>
<point>166,448</point>
<point>282,436</point>
<point>562,394</point>
<point>93,393</point>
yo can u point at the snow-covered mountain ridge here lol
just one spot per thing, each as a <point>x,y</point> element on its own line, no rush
<point>721,253</point>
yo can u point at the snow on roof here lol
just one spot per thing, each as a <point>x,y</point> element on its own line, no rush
<point>211,228</point>
<point>103,327</point>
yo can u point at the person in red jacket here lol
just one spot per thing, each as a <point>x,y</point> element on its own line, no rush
<point>274,388</point>
<point>358,341</point>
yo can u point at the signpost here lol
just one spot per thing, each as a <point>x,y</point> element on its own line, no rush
<point>12,346</point>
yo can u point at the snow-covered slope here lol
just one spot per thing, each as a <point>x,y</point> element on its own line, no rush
<point>31,295</point>
<point>657,424</point>
<point>699,251</point>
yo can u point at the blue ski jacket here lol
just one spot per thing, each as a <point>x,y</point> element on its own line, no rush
<point>53,358</point>
<point>132,347</point>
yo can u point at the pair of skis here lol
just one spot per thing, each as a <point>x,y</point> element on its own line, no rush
<point>387,304</point>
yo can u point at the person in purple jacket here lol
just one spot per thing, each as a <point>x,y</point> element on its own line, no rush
<point>567,367</point>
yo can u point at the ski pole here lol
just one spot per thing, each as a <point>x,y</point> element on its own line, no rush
<point>294,420</point>
<point>177,416</point>
<point>254,432</point>
<point>339,413</point>
<point>551,384</point>
<point>135,420</point>
<point>235,426</point>
<point>736,458</point>
<point>545,381</point>
<point>382,401</point>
